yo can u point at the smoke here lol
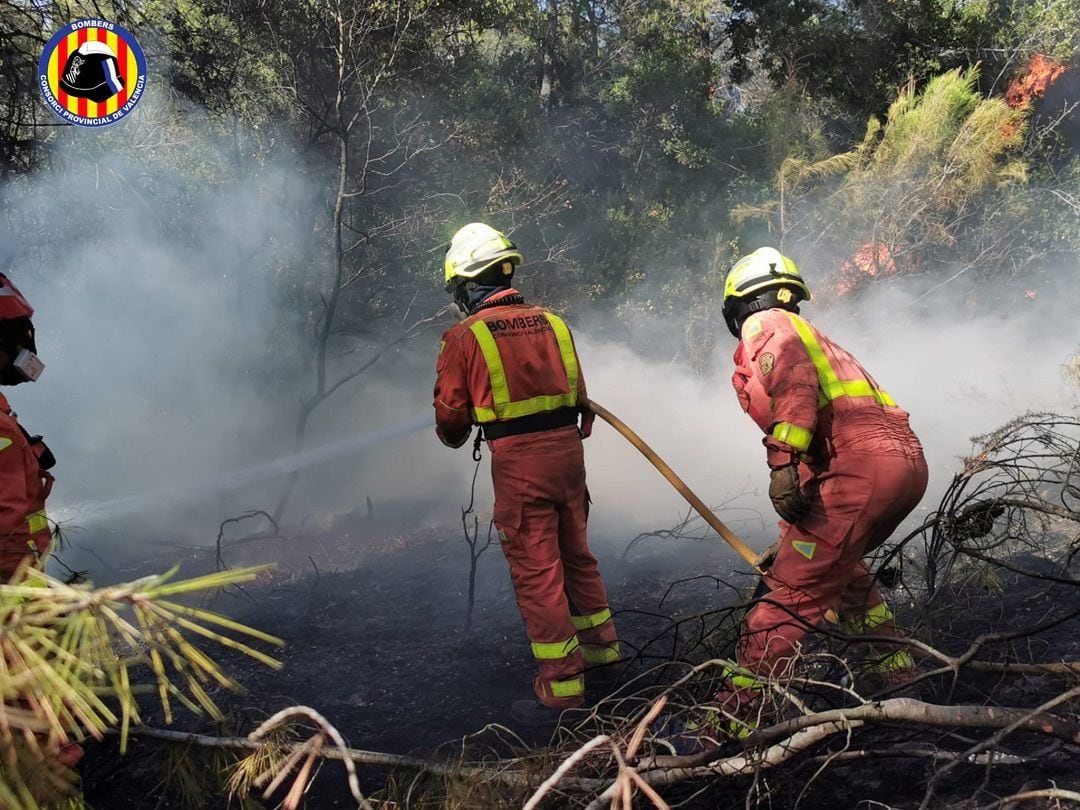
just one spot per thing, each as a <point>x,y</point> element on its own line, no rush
<point>173,286</point>
<point>959,371</point>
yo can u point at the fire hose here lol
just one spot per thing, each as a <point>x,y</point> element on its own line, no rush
<point>699,505</point>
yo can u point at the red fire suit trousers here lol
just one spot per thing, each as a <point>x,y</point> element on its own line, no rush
<point>541,507</point>
<point>856,504</point>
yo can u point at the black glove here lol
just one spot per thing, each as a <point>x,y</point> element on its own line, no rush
<point>787,498</point>
<point>766,558</point>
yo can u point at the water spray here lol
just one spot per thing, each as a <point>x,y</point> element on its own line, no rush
<point>149,501</point>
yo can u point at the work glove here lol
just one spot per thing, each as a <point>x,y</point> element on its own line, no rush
<point>451,440</point>
<point>587,419</point>
<point>766,558</point>
<point>786,495</point>
<point>46,459</point>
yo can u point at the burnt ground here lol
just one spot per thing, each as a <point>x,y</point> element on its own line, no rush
<point>375,641</point>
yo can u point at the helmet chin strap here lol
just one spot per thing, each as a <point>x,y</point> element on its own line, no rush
<point>767,300</point>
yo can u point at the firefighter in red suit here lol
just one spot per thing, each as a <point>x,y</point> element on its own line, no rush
<point>845,470</point>
<point>25,461</point>
<point>512,369</point>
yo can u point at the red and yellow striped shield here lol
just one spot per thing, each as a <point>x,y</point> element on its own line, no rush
<point>93,72</point>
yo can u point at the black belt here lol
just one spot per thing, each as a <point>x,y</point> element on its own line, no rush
<point>534,423</point>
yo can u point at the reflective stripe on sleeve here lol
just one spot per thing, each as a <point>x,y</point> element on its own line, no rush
<point>591,620</point>
<point>877,615</point>
<point>797,437</point>
<point>555,650</point>
<point>874,617</point>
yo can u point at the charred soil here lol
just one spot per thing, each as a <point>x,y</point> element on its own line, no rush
<point>374,639</point>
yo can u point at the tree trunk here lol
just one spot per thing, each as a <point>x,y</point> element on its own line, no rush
<point>550,45</point>
<point>326,328</point>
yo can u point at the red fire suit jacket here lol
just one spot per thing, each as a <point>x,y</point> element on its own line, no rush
<point>811,397</point>
<point>536,369</point>
<point>24,486</point>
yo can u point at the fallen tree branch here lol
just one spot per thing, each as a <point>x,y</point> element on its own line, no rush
<point>564,769</point>
<point>1044,724</point>
<point>513,778</point>
<point>795,736</point>
<point>908,710</point>
<point>735,765</point>
<point>1048,793</point>
<point>325,729</point>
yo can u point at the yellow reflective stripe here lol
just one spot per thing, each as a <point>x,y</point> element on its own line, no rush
<point>720,725</point>
<point>862,388</point>
<point>826,376</point>
<point>502,407</point>
<point>832,387</point>
<point>901,659</point>
<point>571,688</point>
<point>525,407</point>
<point>595,654</point>
<point>797,437</point>
<point>740,678</point>
<point>876,616</point>
<point>38,521</point>
<point>496,373</point>
<point>591,620</point>
<point>554,650</point>
<point>566,350</point>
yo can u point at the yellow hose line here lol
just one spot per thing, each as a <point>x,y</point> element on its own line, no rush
<point>699,505</point>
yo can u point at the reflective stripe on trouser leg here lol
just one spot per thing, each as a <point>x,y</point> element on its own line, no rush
<point>599,642</point>
<point>740,678</point>
<point>870,620</point>
<point>557,660</point>
<point>895,662</point>
<point>535,477</point>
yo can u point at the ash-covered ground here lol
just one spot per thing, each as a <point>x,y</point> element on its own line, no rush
<point>373,622</point>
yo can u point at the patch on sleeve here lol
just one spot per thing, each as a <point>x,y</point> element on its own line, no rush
<point>767,362</point>
<point>804,548</point>
<point>752,328</point>
<point>442,346</point>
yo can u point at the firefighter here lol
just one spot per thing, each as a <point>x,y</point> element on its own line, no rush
<point>511,368</point>
<point>845,470</point>
<point>25,460</point>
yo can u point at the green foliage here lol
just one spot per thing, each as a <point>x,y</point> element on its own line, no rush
<point>912,182</point>
<point>939,151</point>
<point>663,118</point>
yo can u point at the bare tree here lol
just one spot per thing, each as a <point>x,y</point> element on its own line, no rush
<point>373,146</point>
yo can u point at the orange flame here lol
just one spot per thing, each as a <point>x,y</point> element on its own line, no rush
<point>1033,81</point>
<point>871,259</point>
